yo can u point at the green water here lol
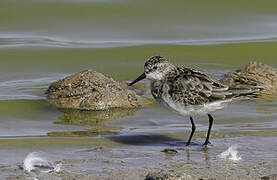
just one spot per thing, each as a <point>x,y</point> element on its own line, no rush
<point>44,40</point>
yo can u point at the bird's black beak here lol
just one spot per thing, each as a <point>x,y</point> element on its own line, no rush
<point>141,77</point>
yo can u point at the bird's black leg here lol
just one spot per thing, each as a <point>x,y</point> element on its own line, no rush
<point>192,131</point>
<point>211,119</point>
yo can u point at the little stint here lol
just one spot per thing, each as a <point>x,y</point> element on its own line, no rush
<point>188,91</point>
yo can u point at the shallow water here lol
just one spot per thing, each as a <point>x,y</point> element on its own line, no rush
<point>45,40</point>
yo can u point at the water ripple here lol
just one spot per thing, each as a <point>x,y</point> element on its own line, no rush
<point>27,89</point>
<point>22,40</point>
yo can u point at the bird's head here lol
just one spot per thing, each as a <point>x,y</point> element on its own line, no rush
<point>155,68</point>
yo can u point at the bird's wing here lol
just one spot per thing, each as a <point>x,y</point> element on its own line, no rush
<point>195,88</point>
<point>221,91</point>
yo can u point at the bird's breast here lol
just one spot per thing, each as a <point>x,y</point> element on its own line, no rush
<point>159,91</point>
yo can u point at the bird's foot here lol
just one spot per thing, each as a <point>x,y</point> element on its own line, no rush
<point>206,143</point>
<point>187,144</point>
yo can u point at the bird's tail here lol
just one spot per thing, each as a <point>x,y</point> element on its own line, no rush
<point>245,92</point>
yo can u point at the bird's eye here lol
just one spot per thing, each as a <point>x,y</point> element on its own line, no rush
<point>155,67</point>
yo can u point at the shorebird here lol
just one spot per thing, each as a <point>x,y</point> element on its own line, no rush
<point>189,92</point>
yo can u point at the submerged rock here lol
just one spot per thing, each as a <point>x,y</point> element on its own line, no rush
<point>254,74</point>
<point>91,90</point>
<point>157,176</point>
<point>269,177</point>
<point>169,151</point>
<point>167,175</point>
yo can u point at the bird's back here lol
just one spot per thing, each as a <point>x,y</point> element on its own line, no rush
<point>190,87</point>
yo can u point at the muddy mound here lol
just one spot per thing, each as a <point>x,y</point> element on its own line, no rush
<point>91,90</point>
<point>254,74</point>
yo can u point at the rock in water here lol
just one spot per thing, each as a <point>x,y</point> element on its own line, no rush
<point>254,74</point>
<point>91,90</point>
<point>269,177</point>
